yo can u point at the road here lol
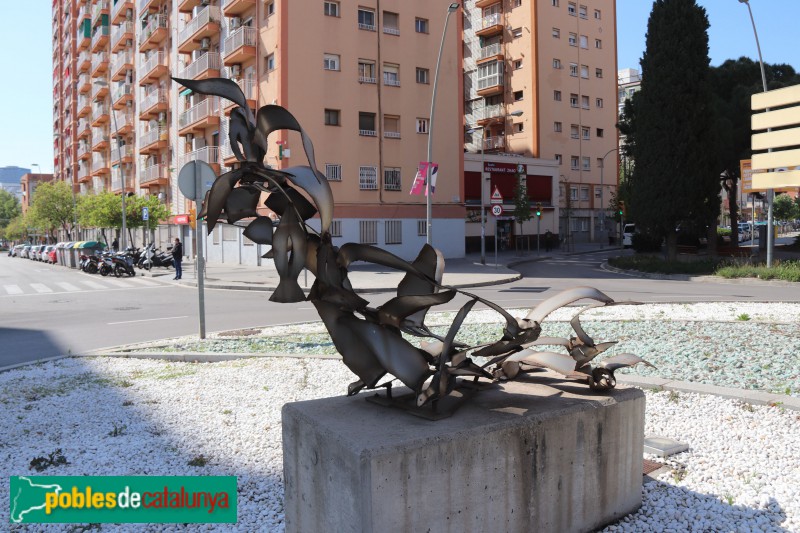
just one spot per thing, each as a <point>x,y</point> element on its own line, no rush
<point>49,310</point>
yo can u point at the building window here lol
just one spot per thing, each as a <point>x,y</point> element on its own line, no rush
<point>585,133</point>
<point>368,231</point>
<point>517,3</point>
<point>391,24</point>
<point>573,131</point>
<point>366,124</point>
<point>518,96</point>
<point>556,63</point>
<point>599,132</point>
<point>391,179</point>
<point>583,12</point>
<point>572,9</point>
<point>422,75</point>
<point>331,9</point>
<point>518,127</point>
<point>391,74</point>
<point>598,191</point>
<point>558,158</point>
<point>336,228</point>
<point>598,44</point>
<point>391,126</point>
<point>598,102</point>
<point>584,42</point>
<point>587,165</point>
<point>366,19</point>
<point>557,127</point>
<point>230,233</point>
<point>422,228</point>
<point>394,232</point>
<point>573,162</point>
<point>368,178</point>
<point>585,102</point>
<point>366,71</point>
<point>554,3</point>
<point>573,70</point>
<point>573,100</point>
<point>573,190</point>
<point>597,14</point>
<point>584,194</point>
<point>269,62</point>
<point>599,165</point>
<point>517,64</point>
<point>585,72</point>
<point>332,117</point>
<point>557,96</point>
<point>573,39</point>
<point>333,172</point>
<point>422,125</point>
<point>598,73</point>
<point>330,61</point>
<point>490,74</point>
<point>270,8</point>
<point>556,33</point>
<point>421,25</point>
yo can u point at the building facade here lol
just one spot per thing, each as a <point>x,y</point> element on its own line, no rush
<point>28,184</point>
<point>357,76</point>
<point>539,82</point>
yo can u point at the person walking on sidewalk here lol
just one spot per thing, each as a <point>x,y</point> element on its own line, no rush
<point>177,257</point>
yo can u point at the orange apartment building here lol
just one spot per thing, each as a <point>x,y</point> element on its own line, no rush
<point>358,76</point>
<point>552,63</point>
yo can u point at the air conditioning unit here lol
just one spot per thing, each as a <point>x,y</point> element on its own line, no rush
<point>235,22</point>
<point>236,70</point>
<point>205,44</point>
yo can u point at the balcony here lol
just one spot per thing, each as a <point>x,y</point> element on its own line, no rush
<point>205,66</point>
<point>99,139</point>
<point>492,52</point>
<point>232,8</point>
<point>84,61</point>
<point>490,113</point>
<point>204,24</point>
<point>118,173</point>
<point>99,113</point>
<point>209,154</point>
<point>248,87</point>
<point>153,175</point>
<point>83,13</point>
<point>152,104</point>
<point>153,68</point>
<point>83,175</point>
<point>83,37</point>
<point>98,183</point>
<point>492,84</point>
<point>83,151</point>
<point>99,64</point>
<point>240,45</point>
<point>121,94</point>
<point>200,116</point>
<point>100,164</point>
<point>121,34</point>
<point>146,5</point>
<point>186,6</point>
<point>491,25</point>
<point>121,63</point>
<point>100,8</point>
<point>82,128</point>
<point>486,3</point>
<point>124,123</point>
<point>494,143</point>
<point>154,33</point>
<point>119,11</point>
<point>100,37</point>
<point>84,105</point>
<point>122,153</point>
<point>153,141</point>
<point>84,83</point>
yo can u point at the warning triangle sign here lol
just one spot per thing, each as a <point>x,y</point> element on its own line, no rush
<point>496,198</point>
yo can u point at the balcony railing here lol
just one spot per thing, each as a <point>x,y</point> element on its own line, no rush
<point>83,101</point>
<point>206,108</point>
<point>491,50</point>
<point>244,36</point>
<point>98,9</point>
<point>98,59</point>
<point>83,80</point>
<point>495,19</point>
<point>120,152</point>
<point>153,98</point>
<point>119,59</point>
<point>368,133</point>
<point>156,22</point>
<point>99,109</point>
<point>123,120</point>
<point>99,135</point>
<point>391,79</point>
<point>117,32</point>
<point>99,32</point>
<point>118,91</point>
<point>83,148</point>
<point>83,12</point>
<point>149,137</point>
<point>98,183</point>
<point>155,59</point>
<point>116,7</point>
<point>209,154</point>
<point>494,143</point>
<point>83,173</point>
<point>208,61</point>
<point>151,173</point>
<point>209,14</point>
<point>99,162</point>
<point>117,177</point>
<point>248,87</point>
<point>83,125</point>
<point>84,57</point>
<point>490,111</point>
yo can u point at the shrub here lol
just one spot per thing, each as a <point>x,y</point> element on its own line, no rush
<point>643,242</point>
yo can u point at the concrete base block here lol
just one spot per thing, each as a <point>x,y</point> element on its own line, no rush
<point>548,455</point>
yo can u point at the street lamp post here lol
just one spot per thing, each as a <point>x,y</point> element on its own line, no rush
<point>602,204</point>
<point>483,181</point>
<point>123,240</point>
<point>428,205</point>
<point>770,192</point>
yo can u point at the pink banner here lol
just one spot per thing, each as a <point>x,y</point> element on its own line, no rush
<point>418,186</point>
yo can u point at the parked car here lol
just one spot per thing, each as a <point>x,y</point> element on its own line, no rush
<point>49,254</point>
<point>39,251</point>
<point>627,235</point>
<point>32,252</point>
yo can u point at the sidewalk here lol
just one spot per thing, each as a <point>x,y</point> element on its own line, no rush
<point>461,273</point>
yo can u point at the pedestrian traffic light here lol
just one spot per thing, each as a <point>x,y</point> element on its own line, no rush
<point>539,209</point>
<point>622,211</point>
<point>192,218</point>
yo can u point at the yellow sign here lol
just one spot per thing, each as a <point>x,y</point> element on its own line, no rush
<point>776,127</point>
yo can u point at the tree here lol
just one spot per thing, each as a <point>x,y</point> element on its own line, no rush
<point>52,207</point>
<point>104,210</point>
<point>15,230</point>
<point>522,204</point>
<point>676,175</point>
<point>9,208</point>
<point>784,208</point>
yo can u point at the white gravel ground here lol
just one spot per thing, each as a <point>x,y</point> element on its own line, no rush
<point>742,472</point>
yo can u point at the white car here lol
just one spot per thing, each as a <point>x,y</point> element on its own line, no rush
<point>627,235</point>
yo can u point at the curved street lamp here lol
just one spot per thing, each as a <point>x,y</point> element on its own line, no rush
<point>602,201</point>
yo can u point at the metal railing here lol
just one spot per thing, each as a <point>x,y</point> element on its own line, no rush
<point>116,176</point>
<point>494,143</point>
<point>151,136</point>
<point>98,58</point>
<point>99,161</point>
<point>367,27</point>
<point>118,91</point>
<point>99,109</point>
<point>84,57</point>
<point>100,31</point>
<point>206,108</point>
<point>495,19</point>
<point>83,79</point>
<point>98,184</point>
<point>208,61</point>
<point>83,101</point>
<point>491,50</point>
<point>207,15</point>
<point>208,154</point>
<point>490,111</point>
<point>244,36</point>
<point>155,97</point>
<point>143,5</point>
<point>156,22</point>
<point>98,8</point>
<point>155,59</point>
<point>391,31</point>
<point>120,152</point>
<point>83,172</point>
<point>117,32</point>
<point>151,173</point>
<point>391,134</point>
<point>367,133</point>
<point>99,135</point>
<point>83,125</point>
<point>83,11</point>
<point>82,149</point>
<point>119,59</point>
<point>116,7</point>
<point>366,79</point>
<point>123,120</point>
<point>248,87</point>
<point>393,81</point>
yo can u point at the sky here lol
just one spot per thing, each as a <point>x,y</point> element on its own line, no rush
<point>26,101</point>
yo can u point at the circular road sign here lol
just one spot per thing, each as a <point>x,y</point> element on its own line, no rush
<point>497,210</point>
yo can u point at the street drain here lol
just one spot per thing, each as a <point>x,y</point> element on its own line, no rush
<point>651,466</point>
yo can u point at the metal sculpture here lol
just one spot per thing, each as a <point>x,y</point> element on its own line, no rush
<point>369,339</point>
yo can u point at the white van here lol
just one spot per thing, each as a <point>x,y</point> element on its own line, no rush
<point>627,235</point>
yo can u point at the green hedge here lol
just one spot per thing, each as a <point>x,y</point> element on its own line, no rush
<point>782,270</point>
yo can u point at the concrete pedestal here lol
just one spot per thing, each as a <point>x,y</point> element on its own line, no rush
<point>544,455</point>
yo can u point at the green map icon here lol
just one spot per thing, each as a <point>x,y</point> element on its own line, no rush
<point>28,498</point>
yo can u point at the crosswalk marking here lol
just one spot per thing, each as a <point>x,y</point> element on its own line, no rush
<point>94,285</point>
<point>39,287</point>
<point>12,289</point>
<point>145,282</point>
<point>67,286</point>
<point>119,283</point>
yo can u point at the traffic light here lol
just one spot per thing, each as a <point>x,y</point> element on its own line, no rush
<point>192,218</point>
<point>539,209</point>
<point>622,211</point>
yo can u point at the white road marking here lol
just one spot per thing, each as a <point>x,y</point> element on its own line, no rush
<point>12,289</point>
<point>94,285</point>
<point>144,282</point>
<point>39,287</point>
<point>146,320</point>
<point>69,287</point>
<point>119,283</point>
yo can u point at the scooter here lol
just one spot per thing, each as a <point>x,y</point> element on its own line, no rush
<point>153,257</point>
<point>105,265</point>
<point>123,265</point>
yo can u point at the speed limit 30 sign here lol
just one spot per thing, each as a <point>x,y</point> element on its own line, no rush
<point>497,210</point>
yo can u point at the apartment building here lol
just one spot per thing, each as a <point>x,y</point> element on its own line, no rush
<point>357,76</point>
<point>540,83</point>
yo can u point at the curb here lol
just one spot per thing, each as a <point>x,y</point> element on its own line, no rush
<point>698,279</point>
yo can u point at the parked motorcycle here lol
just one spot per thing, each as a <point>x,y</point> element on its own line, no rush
<point>89,263</point>
<point>122,265</point>
<point>105,265</point>
<point>153,257</point>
